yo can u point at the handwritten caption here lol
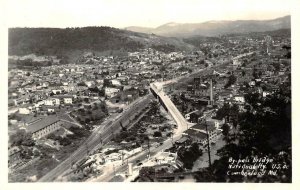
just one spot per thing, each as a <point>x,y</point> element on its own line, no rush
<point>257,166</point>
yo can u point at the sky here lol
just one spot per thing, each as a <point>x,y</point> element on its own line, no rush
<point>146,13</point>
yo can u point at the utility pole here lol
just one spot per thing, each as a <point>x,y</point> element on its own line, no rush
<point>211,93</point>
<point>122,157</point>
<point>122,127</point>
<point>148,148</point>
<point>112,132</point>
<point>114,169</point>
<point>208,146</point>
<point>122,154</point>
<point>87,148</point>
<point>100,138</point>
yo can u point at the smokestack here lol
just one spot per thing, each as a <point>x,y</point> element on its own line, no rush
<point>211,93</point>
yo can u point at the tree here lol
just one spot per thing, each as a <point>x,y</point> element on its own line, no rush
<point>225,129</point>
<point>223,112</point>
<point>101,92</point>
<point>259,133</point>
<point>190,155</point>
<point>276,66</point>
<point>21,137</point>
<point>87,120</point>
<point>64,141</point>
<point>253,100</point>
<point>243,73</point>
<point>231,81</point>
<point>106,83</point>
<point>86,100</point>
<point>157,134</point>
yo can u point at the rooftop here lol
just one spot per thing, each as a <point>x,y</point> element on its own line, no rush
<point>197,134</point>
<point>42,123</point>
<point>201,126</point>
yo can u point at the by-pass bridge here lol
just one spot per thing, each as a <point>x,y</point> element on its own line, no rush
<point>157,91</point>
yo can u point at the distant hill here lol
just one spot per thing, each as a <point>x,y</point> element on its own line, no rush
<point>215,28</point>
<point>56,41</point>
<point>140,29</point>
<point>275,34</point>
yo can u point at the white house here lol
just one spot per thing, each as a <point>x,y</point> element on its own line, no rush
<point>110,92</point>
<point>57,91</point>
<point>52,102</point>
<point>116,82</point>
<point>69,88</point>
<point>236,62</point>
<point>89,83</point>
<point>252,83</point>
<point>68,100</point>
<point>239,98</point>
<point>24,111</point>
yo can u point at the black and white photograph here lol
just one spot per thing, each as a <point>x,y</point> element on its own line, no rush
<point>149,91</point>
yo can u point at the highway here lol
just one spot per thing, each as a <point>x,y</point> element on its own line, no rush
<point>172,110</point>
<point>103,133</point>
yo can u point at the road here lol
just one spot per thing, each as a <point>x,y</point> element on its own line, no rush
<point>119,168</point>
<point>182,125</point>
<point>172,109</point>
<point>103,133</point>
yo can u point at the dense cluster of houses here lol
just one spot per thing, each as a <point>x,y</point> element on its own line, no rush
<point>260,71</point>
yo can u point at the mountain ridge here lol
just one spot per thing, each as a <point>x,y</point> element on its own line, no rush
<point>58,41</point>
<point>215,27</point>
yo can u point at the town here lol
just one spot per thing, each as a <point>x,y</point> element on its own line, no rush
<point>145,116</point>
